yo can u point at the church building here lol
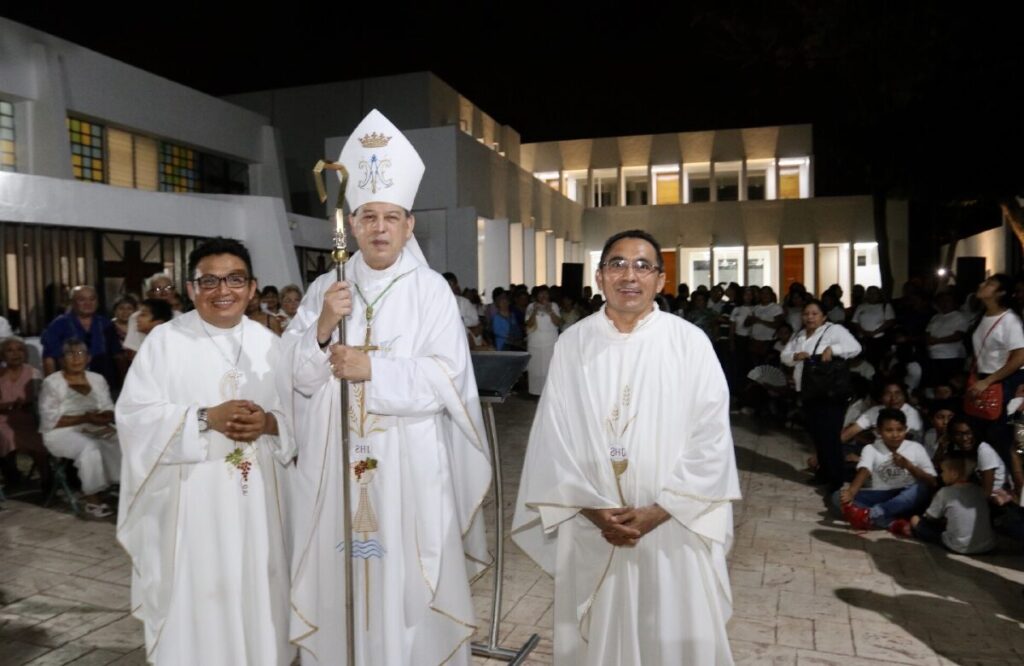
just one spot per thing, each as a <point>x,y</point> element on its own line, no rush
<point>109,174</point>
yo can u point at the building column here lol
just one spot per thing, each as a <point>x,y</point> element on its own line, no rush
<point>562,189</point>
<point>712,184</point>
<point>813,287</point>
<point>682,183</point>
<point>777,179</point>
<point>620,181</point>
<point>743,181</point>
<point>591,195</point>
<point>650,183</point>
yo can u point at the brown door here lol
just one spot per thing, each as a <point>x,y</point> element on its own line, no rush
<point>792,267</point>
<point>669,260</point>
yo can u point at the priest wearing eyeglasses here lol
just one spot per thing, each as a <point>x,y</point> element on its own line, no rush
<point>204,443</point>
<point>629,477</point>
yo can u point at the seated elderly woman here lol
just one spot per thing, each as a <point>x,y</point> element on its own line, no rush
<point>18,430</point>
<point>76,419</point>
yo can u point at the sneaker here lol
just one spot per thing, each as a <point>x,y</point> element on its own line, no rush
<point>901,528</point>
<point>858,517</point>
<point>98,510</point>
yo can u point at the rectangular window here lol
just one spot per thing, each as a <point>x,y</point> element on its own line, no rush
<point>179,169</point>
<point>8,160</point>
<point>637,186</point>
<point>88,159</point>
<point>727,180</point>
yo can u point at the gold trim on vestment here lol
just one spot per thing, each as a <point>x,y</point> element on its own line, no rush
<point>593,595</point>
<point>174,552</point>
<point>131,505</point>
<point>317,507</point>
<point>297,642</point>
<point>444,371</point>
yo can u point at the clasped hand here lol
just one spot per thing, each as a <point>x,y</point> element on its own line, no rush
<point>240,420</point>
<point>625,526</point>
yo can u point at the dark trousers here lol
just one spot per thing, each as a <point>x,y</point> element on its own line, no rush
<point>824,421</point>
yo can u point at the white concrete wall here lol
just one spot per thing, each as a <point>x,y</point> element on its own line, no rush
<point>111,91</point>
<point>260,222</point>
<point>755,223</point>
<point>990,244</point>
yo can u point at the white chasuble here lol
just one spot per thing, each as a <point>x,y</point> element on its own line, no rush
<point>633,419</point>
<point>420,473</point>
<point>210,573</point>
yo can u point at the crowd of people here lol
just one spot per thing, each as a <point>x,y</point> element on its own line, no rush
<point>935,356</point>
<point>66,411</point>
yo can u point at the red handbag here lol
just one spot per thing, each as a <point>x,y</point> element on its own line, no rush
<point>988,404</point>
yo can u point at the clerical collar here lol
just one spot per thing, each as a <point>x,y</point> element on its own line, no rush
<point>643,321</point>
<point>384,273</point>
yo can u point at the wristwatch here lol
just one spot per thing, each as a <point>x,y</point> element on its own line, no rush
<point>204,422</point>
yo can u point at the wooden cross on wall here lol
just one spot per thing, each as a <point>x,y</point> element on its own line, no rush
<point>132,267</point>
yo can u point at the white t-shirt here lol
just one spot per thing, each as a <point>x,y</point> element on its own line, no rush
<point>1004,338</point>
<point>887,475</point>
<point>965,508</point>
<point>869,419</point>
<point>795,318</point>
<point>767,312</point>
<point>944,325</point>
<point>739,317</point>
<point>989,459</point>
<point>931,441</point>
<point>467,311</point>
<point>872,315</point>
<point>837,315</point>
<point>5,328</point>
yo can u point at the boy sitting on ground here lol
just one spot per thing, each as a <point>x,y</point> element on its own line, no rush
<point>901,474</point>
<point>958,516</point>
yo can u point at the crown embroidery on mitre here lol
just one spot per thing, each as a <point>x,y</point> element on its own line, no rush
<point>374,140</point>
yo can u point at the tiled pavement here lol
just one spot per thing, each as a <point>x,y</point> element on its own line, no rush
<point>806,591</point>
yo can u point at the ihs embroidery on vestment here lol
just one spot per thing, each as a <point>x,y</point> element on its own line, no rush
<point>617,450</point>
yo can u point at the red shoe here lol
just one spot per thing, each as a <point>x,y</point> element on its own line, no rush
<point>901,528</point>
<point>858,517</point>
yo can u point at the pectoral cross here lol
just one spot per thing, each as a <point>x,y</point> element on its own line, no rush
<point>366,346</point>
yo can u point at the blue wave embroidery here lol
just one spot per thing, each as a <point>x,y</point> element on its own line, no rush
<point>364,549</point>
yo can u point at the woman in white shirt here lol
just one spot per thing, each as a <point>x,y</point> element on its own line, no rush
<point>820,342</point>
<point>766,317</point>
<point>945,334</point>
<point>998,339</point>
<point>872,320</point>
<point>542,321</point>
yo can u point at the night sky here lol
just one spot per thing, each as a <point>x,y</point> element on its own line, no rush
<point>921,101</point>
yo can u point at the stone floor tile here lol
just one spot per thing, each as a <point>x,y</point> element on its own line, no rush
<point>760,654</point>
<point>833,637</point>
<point>792,578</point>
<point>97,658</point>
<point>16,652</point>
<point>811,607</point>
<point>61,656</point>
<point>795,632</point>
<point>752,630</point>
<point>94,593</point>
<point>121,636</point>
<point>888,642</point>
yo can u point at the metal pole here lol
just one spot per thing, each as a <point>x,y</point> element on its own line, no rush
<point>492,649</point>
<point>340,256</point>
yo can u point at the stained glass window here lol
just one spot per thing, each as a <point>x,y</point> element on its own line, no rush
<point>179,169</point>
<point>7,156</point>
<point>87,158</point>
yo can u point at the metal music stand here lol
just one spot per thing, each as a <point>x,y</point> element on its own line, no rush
<point>496,374</point>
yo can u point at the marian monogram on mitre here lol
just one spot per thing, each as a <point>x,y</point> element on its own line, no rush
<point>375,170</point>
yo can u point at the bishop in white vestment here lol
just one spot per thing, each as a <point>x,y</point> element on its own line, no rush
<point>420,467</point>
<point>632,431</point>
<point>200,513</point>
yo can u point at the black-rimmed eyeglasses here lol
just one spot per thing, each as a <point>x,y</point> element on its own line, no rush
<point>211,282</point>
